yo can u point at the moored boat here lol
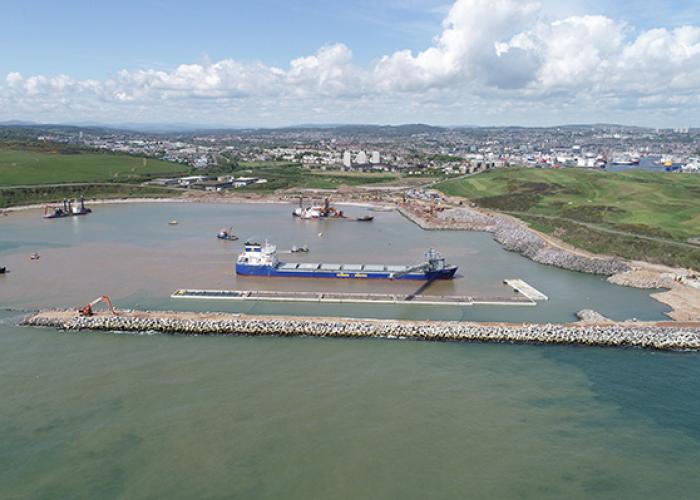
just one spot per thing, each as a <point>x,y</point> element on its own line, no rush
<point>325,212</point>
<point>227,234</point>
<point>67,210</point>
<point>260,259</point>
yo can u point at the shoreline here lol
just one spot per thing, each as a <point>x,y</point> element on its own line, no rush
<point>198,199</point>
<point>514,235</point>
<point>648,335</point>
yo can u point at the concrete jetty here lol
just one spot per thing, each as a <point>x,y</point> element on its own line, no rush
<point>351,298</point>
<point>524,288</point>
<point>652,335</point>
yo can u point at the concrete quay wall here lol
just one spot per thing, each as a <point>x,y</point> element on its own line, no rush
<point>666,336</point>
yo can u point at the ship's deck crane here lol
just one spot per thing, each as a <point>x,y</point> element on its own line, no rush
<point>87,310</point>
<point>433,262</point>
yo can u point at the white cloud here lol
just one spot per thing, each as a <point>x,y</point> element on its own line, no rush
<point>491,55</point>
<point>466,46</point>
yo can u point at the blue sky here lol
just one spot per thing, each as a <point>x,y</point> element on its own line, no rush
<point>467,61</point>
<point>93,39</point>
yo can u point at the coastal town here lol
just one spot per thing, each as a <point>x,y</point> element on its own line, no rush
<point>409,149</point>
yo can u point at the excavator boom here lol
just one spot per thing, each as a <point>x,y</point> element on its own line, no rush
<point>87,310</point>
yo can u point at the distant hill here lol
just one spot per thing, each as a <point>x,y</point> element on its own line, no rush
<point>335,128</point>
<point>15,123</point>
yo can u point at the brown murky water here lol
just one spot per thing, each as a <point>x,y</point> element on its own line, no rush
<point>131,253</point>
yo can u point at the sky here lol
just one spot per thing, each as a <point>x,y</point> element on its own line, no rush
<point>273,63</point>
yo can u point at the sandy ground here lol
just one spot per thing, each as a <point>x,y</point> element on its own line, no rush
<point>684,300</point>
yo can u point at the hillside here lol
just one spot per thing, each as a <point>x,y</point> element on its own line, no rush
<point>28,167</point>
<point>637,215</point>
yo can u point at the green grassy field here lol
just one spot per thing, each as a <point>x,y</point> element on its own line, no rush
<point>282,175</point>
<point>633,214</point>
<point>14,196</point>
<point>19,167</point>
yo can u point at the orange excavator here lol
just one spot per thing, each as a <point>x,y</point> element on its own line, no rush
<point>87,310</point>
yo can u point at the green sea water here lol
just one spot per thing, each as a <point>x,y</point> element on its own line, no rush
<point>108,415</point>
<point>99,415</point>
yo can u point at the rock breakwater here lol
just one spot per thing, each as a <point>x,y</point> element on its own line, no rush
<point>591,316</point>
<point>515,236</point>
<point>641,278</point>
<point>646,335</point>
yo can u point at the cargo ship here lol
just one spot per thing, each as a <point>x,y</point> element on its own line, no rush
<point>260,259</point>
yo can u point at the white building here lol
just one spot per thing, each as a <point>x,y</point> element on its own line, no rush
<point>361,158</point>
<point>375,159</point>
<point>347,159</point>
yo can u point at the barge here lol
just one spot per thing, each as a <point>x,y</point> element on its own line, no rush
<point>67,210</point>
<point>260,259</point>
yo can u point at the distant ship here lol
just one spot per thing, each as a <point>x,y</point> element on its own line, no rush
<point>260,259</point>
<point>626,159</point>
<point>692,166</point>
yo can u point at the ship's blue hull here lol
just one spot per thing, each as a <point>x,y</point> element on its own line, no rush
<point>272,271</point>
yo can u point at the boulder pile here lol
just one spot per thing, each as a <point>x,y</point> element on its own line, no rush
<point>617,335</point>
<point>517,237</point>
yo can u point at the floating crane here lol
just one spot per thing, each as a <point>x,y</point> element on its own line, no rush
<point>317,212</point>
<point>87,310</point>
<point>67,210</point>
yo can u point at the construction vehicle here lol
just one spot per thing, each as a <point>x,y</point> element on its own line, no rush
<point>88,311</point>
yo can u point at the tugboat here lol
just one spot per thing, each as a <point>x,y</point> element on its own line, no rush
<point>301,249</point>
<point>227,234</point>
<point>34,256</point>
<point>3,270</point>
<point>260,259</point>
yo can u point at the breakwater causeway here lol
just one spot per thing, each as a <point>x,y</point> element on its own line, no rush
<point>515,236</point>
<point>652,335</point>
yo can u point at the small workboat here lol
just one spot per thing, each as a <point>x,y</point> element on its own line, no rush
<point>3,270</point>
<point>365,218</point>
<point>173,222</point>
<point>301,249</point>
<point>227,234</point>
<point>34,256</point>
